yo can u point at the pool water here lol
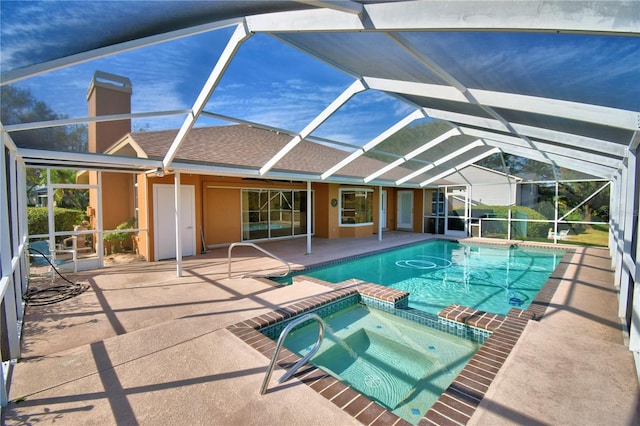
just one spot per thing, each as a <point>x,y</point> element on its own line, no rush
<point>439,273</point>
<point>402,365</point>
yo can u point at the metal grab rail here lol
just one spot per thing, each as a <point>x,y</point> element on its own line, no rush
<point>301,362</point>
<point>263,251</point>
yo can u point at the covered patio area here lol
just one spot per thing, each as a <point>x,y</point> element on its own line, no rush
<point>142,346</point>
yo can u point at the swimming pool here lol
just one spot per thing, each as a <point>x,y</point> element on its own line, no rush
<point>402,365</point>
<point>440,273</point>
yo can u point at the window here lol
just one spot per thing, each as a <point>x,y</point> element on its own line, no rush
<point>356,207</point>
<point>273,213</point>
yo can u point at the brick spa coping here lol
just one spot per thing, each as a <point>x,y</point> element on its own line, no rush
<point>458,402</point>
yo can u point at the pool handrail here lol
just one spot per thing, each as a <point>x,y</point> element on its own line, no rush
<point>303,360</point>
<point>263,251</point>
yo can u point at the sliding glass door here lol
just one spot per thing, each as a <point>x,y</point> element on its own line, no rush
<point>270,213</point>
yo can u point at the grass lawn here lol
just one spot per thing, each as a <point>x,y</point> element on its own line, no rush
<point>588,237</point>
<point>591,237</point>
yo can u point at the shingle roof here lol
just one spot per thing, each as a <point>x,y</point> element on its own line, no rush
<point>245,146</point>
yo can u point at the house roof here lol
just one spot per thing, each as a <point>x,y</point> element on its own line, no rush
<point>477,175</point>
<point>250,147</point>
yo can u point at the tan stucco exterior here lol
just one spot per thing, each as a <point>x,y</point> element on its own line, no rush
<point>218,207</point>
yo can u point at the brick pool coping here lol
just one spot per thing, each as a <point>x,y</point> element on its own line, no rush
<point>459,401</point>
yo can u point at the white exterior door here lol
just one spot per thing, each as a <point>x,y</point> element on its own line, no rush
<point>165,218</point>
<point>405,210</point>
<point>457,205</point>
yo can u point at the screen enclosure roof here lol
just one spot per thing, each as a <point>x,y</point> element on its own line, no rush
<point>552,81</point>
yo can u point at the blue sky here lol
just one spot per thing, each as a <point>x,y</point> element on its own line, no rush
<point>274,84</point>
<point>267,82</point>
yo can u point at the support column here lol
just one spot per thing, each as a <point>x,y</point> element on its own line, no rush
<point>178,213</point>
<point>99,223</point>
<point>629,276</point>
<point>309,216</point>
<point>7,284</point>
<point>17,271</point>
<point>380,209</point>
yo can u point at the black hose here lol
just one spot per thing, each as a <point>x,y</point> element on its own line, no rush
<point>35,296</point>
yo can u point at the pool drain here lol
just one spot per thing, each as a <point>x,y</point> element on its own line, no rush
<point>372,381</point>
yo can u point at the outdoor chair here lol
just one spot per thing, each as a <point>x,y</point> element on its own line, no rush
<point>561,235</point>
<point>41,256</point>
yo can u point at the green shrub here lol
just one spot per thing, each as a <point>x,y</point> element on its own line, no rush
<point>64,219</point>
<point>576,228</point>
<point>119,241</point>
<point>534,229</point>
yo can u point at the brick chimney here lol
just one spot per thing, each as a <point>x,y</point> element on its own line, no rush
<point>108,94</point>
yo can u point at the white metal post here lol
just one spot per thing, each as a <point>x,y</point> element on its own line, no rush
<point>7,286</point>
<point>22,224</point>
<point>17,273</point>
<point>623,269</point>
<point>99,224</point>
<point>50,215</point>
<point>630,260</point>
<point>555,220</point>
<point>309,216</point>
<point>380,206</point>
<point>178,214</point>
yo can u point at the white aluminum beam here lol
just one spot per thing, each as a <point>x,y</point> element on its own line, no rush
<point>84,120</point>
<point>436,141</point>
<point>56,64</point>
<point>237,38</point>
<point>356,87</point>
<point>346,6</point>
<point>440,161</point>
<point>555,159</point>
<point>84,159</point>
<point>459,166</point>
<point>611,17</point>
<point>569,139</point>
<point>596,114</point>
<point>559,160</point>
<point>6,139</point>
<point>375,141</point>
<point>635,141</point>
<point>305,21</point>
<point>545,147</point>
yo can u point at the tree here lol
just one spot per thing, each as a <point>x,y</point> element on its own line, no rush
<point>64,197</point>
<point>572,194</point>
<point>17,105</point>
<point>526,168</point>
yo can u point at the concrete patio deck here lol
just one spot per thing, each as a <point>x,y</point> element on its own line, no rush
<point>142,346</point>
